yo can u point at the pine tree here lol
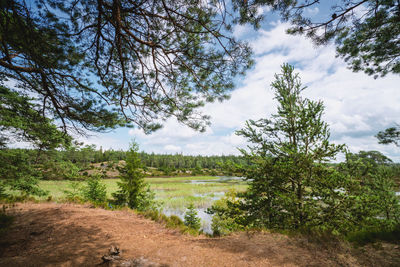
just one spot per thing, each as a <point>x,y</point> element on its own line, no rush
<point>290,184</point>
<point>133,190</point>
<point>94,190</point>
<point>366,32</point>
<point>191,219</point>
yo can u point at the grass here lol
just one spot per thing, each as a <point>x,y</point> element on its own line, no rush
<point>174,192</point>
<point>369,236</point>
<point>173,222</point>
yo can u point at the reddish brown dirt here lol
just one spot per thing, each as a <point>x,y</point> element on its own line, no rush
<point>50,234</point>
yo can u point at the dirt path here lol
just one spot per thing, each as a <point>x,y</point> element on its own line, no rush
<point>50,234</point>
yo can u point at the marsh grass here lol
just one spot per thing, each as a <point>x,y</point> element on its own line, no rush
<point>173,222</point>
<point>174,192</point>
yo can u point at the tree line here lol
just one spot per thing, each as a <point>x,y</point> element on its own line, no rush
<point>72,162</point>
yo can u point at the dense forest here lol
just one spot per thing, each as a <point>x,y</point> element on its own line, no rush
<point>74,162</point>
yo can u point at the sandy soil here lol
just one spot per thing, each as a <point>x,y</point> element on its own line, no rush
<point>50,234</point>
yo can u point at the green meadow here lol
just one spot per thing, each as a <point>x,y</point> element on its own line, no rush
<point>173,193</point>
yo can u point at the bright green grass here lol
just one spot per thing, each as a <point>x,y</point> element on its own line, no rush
<point>174,193</point>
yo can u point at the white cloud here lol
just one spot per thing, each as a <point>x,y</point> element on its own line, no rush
<point>241,30</point>
<point>311,11</point>
<point>234,140</point>
<point>357,106</point>
<point>105,141</point>
<point>172,148</point>
<point>263,9</point>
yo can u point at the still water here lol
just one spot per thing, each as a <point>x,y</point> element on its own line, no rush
<point>206,219</point>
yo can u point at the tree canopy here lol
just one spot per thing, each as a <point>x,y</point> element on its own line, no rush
<point>18,114</point>
<point>366,32</point>
<point>389,136</point>
<point>93,65</point>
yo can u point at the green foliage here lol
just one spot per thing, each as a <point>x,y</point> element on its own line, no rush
<point>290,186</point>
<point>172,221</point>
<point>3,194</point>
<point>86,67</point>
<point>133,190</point>
<point>389,136</point>
<point>191,219</point>
<point>366,236</point>
<point>67,163</point>
<point>20,121</point>
<point>371,44</point>
<point>60,170</point>
<point>80,155</point>
<point>227,215</point>
<point>374,158</point>
<point>366,33</point>
<point>373,204</point>
<point>231,168</point>
<point>94,190</point>
<point>74,194</point>
<point>17,173</point>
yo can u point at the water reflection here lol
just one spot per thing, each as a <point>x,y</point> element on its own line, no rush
<point>221,179</point>
<point>206,219</point>
<point>213,196</point>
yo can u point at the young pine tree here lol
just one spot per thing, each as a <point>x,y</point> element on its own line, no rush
<point>133,190</point>
<point>94,191</point>
<point>191,219</point>
<point>291,187</point>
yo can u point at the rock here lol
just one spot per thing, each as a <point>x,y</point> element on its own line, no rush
<point>107,258</point>
<point>34,233</point>
<point>114,259</point>
<point>114,250</point>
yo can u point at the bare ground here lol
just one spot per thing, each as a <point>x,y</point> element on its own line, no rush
<point>49,234</point>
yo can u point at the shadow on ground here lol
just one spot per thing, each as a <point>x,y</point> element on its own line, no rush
<point>42,237</point>
<point>299,251</point>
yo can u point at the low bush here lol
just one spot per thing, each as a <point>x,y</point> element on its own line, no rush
<point>226,215</point>
<point>94,190</point>
<point>75,192</point>
<point>173,221</point>
<point>365,236</point>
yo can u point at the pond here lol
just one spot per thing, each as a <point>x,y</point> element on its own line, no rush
<point>177,194</point>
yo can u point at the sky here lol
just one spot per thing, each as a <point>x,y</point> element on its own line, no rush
<point>357,106</point>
